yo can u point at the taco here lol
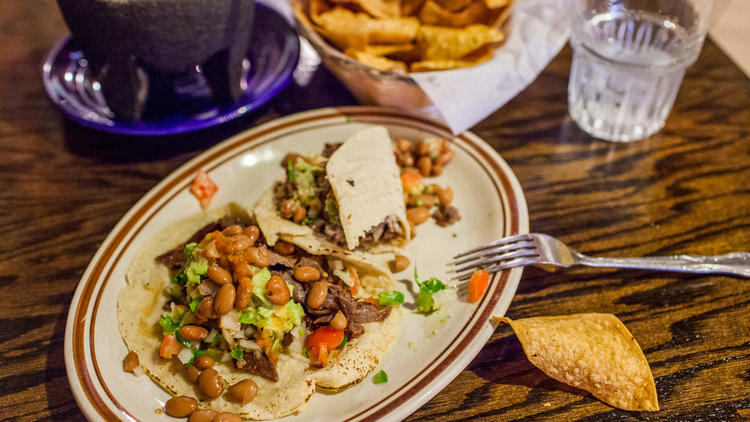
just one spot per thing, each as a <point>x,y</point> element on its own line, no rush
<point>351,194</point>
<point>176,315</point>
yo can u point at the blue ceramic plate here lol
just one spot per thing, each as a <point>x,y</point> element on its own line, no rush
<point>272,57</point>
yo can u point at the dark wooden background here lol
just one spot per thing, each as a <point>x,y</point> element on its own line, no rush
<point>685,190</point>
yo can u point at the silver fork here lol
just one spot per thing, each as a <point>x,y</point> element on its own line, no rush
<point>542,249</point>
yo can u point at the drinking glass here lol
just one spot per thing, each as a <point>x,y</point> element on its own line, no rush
<point>629,57</point>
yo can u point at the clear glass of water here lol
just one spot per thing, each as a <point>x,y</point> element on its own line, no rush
<point>629,57</point>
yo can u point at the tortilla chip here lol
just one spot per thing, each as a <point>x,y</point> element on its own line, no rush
<point>341,25</point>
<point>484,53</point>
<point>410,7</point>
<point>454,5</point>
<point>377,62</point>
<point>377,8</point>
<point>442,43</point>
<point>593,352</point>
<point>434,14</point>
<point>496,4</point>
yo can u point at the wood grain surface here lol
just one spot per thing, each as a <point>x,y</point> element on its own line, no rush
<point>685,190</point>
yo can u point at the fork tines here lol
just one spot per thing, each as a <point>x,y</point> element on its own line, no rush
<point>497,255</point>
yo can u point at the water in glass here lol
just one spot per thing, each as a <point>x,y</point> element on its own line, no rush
<point>627,68</point>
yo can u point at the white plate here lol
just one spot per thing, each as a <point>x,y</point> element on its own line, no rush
<point>430,350</point>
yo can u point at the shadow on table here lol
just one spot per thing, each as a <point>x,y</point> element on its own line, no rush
<point>503,362</point>
<point>322,90</point>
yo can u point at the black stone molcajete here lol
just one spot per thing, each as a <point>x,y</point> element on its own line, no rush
<point>149,55</point>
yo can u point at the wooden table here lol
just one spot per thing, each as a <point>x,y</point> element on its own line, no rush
<point>685,190</point>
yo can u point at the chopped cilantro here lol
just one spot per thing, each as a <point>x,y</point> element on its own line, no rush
<point>343,342</point>
<point>305,353</point>
<point>290,175</point>
<point>380,378</point>
<point>237,353</point>
<point>391,298</point>
<point>179,278</point>
<point>168,325</point>
<point>185,342</point>
<point>194,304</point>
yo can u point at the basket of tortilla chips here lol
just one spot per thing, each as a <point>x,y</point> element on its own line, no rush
<point>372,45</point>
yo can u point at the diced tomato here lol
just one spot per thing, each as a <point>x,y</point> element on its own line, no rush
<point>354,288</point>
<point>320,342</point>
<point>412,182</point>
<point>478,284</point>
<point>169,346</point>
<point>203,188</point>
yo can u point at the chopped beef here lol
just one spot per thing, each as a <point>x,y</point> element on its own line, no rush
<point>257,363</point>
<point>175,258</point>
<point>368,312</point>
<point>288,339</point>
<point>283,190</point>
<point>446,215</point>
<point>315,261</point>
<point>387,230</point>
<point>276,259</point>
<point>330,149</point>
<point>334,233</point>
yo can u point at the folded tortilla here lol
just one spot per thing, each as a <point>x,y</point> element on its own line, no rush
<point>366,181</point>
<point>140,307</point>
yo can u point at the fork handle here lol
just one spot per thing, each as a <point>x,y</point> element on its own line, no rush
<point>735,263</point>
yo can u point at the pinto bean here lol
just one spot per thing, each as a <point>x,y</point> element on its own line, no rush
<point>238,244</point>
<point>232,230</point>
<point>445,195</point>
<point>193,332</point>
<point>210,383</point>
<point>424,200</point>
<point>437,169</point>
<point>417,215</point>
<point>244,391</point>
<point>284,248</point>
<point>299,214</point>
<point>425,165</point>
<point>226,417</point>
<point>278,291</point>
<point>423,148</point>
<point>205,310</point>
<point>192,373</point>
<point>445,157</point>
<point>399,263</point>
<point>258,257</point>
<point>180,406</point>
<point>203,415</point>
<point>339,321</point>
<point>224,301</point>
<point>287,207</point>
<point>306,273</point>
<point>403,144</point>
<point>130,362</point>
<point>252,233</point>
<point>204,362</point>
<point>317,294</point>
<point>219,275</point>
<point>244,293</point>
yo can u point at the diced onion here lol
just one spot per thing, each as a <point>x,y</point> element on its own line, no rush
<point>230,321</point>
<point>211,336</point>
<point>335,264</point>
<point>249,345</point>
<point>208,288</point>
<point>185,355</point>
<point>250,330</point>
<point>344,275</point>
<point>228,337</point>
<point>226,357</point>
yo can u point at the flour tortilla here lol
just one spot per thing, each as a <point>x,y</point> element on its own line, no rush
<point>140,307</point>
<point>366,181</point>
